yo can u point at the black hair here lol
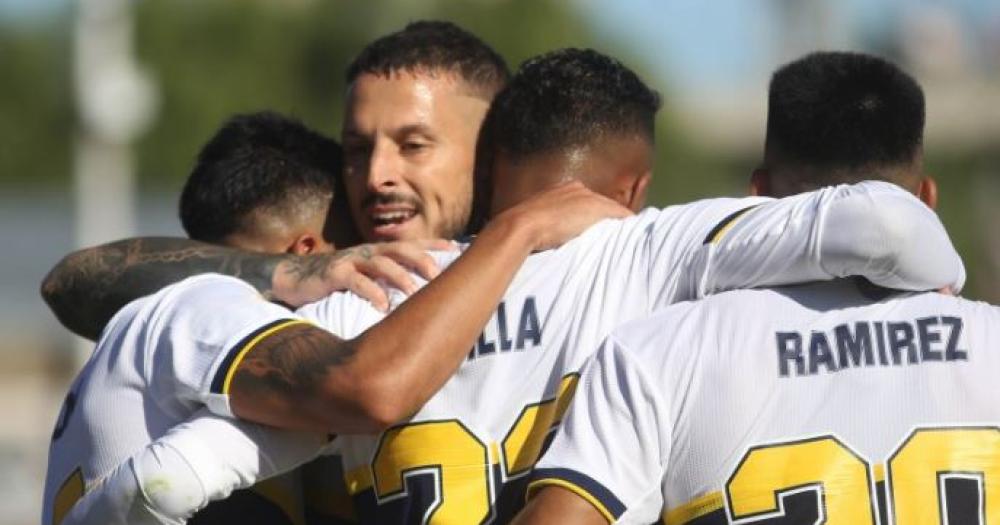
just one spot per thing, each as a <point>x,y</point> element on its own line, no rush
<point>843,110</point>
<point>566,98</point>
<point>254,161</point>
<point>431,46</point>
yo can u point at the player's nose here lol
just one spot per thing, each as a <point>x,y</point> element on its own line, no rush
<point>384,167</point>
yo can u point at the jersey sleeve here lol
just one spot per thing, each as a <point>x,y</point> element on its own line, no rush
<point>872,229</point>
<point>199,461</point>
<point>613,445</point>
<point>198,332</point>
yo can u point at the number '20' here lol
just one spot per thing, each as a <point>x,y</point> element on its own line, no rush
<point>946,476</point>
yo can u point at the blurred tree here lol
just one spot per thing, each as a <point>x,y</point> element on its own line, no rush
<point>36,111</point>
<point>213,58</point>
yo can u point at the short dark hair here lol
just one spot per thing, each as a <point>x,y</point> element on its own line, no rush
<point>566,98</point>
<point>255,161</point>
<point>844,110</point>
<point>431,46</point>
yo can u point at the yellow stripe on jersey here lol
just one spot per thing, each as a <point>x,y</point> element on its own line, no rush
<point>694,509</point>
<point>720,230</point>
<point>567,388</point>
<point>242,350</point>
<point>68,494</point>
<point>534,486</point>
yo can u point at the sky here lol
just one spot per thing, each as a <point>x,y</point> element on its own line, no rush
<point>696,42</point>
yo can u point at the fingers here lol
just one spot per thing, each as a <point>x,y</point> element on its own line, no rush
<point>390,271</point>
<point>365,287</point>
<point>410,254</point>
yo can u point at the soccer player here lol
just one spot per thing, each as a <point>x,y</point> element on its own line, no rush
<point>267,183</point>
<point>833,402</point>
<point>212,343</point>
<point>465,455</point>
<point>415,102</point>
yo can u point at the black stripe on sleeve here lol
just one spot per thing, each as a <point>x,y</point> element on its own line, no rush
<point>611,503</point>
<point>731,218</point>
<point>220,375</point>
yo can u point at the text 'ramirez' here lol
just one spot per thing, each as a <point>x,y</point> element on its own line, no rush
<point>870,343</point>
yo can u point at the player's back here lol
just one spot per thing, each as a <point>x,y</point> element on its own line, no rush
<point>464,457</point>
<point>815,401</point>
<point>149,372</point>
<point>105,416</point>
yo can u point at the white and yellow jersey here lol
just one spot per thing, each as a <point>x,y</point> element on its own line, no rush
<point>160,360</point>
<point>809,404</point>
<point>464,457</point>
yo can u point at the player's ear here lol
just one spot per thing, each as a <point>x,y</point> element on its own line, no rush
<point>928,191</point>
<point>304,244</point>
<point>635,195</point>
<point>760,182</point>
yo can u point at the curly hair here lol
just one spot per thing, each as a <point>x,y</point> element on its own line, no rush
<point>254,161</point>
<point>566,98</point>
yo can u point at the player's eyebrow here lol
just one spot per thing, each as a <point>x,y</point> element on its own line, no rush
<point>413,129</point>
<point>402,131</point>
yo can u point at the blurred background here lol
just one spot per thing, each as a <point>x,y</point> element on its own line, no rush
<point>104,104</point>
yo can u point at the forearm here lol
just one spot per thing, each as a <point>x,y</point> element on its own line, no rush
<point>197,462</point>
<point>304,378</point>
<point>409,356</point>
<point>88,286</point>
<point>387,373</point>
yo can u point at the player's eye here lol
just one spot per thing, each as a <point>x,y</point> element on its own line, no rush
<point>414,146</point>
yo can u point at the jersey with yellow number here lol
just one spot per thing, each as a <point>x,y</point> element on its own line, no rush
<point>464,457</point>
<point>809,404</point>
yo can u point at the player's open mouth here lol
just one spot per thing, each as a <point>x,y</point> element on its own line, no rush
<point>388,221</point>
<point>386,218</point>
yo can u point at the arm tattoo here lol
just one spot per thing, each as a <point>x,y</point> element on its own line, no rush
<point>292,363</point>
<point>317,266</point>
<point>87,287</point>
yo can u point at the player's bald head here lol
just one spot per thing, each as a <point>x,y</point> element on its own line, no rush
<point>836,117</point>
<point>570,114</point>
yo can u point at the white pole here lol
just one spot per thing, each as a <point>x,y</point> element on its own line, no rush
<point>116,103</point>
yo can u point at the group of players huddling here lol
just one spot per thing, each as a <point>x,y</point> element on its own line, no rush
<point>253,374</point>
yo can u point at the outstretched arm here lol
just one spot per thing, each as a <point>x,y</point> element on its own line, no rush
<point>303,378</point>
<point>88,286</point>
<point>872,229</point>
